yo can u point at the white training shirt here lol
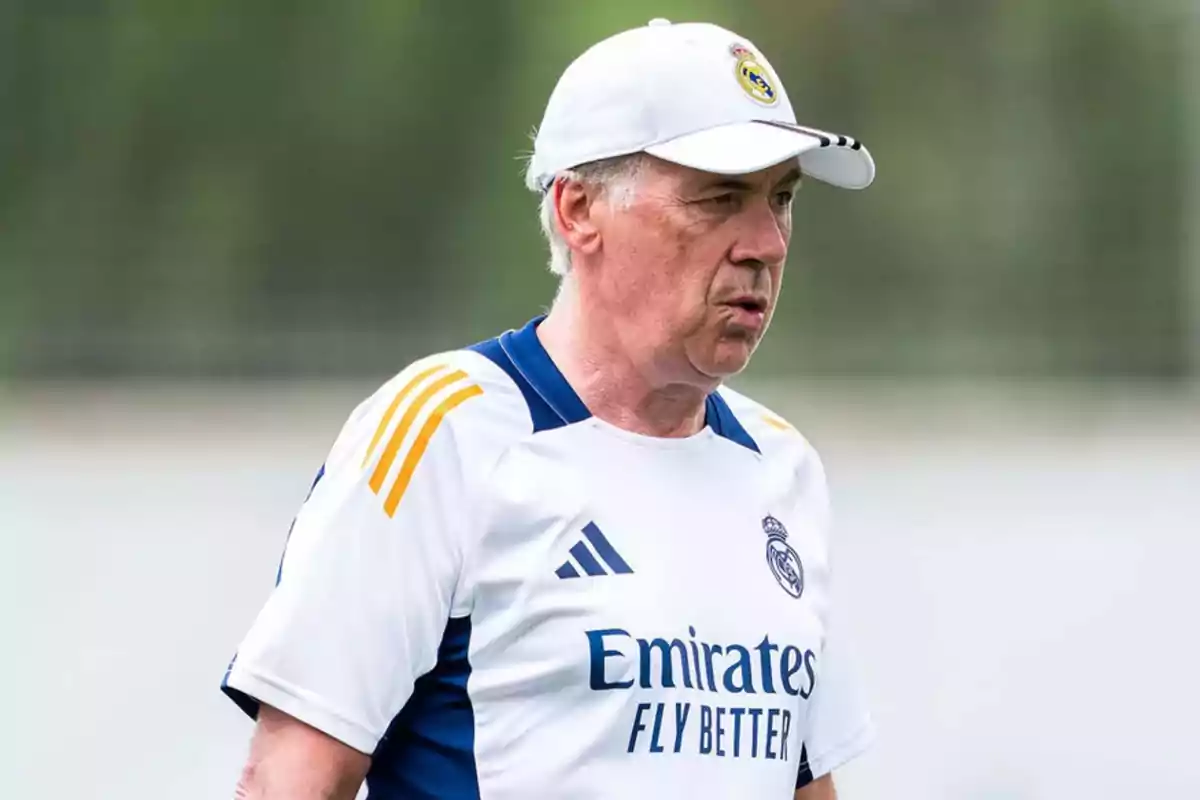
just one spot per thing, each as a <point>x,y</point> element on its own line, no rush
<point>500,596</point>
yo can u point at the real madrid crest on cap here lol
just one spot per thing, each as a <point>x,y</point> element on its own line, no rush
<point>753,76</point>
<point>785,564</point>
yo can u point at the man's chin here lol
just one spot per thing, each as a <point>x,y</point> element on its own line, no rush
<point>728,360</point>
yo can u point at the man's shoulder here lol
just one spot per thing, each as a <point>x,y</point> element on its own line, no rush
<point>460,390</point>
<point>787,453</point>
<point>454,408</point>
<point>430,432</point>
<point>774,434</point>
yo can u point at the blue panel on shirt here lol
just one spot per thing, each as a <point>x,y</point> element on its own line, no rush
<point>428,752</point>
<point>805,775</point>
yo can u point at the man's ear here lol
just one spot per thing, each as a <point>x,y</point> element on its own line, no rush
<point>574,206</point>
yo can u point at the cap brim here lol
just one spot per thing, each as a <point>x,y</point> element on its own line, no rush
<point>744,147</point>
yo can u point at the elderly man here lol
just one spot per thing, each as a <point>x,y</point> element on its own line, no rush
<point>566,563</point>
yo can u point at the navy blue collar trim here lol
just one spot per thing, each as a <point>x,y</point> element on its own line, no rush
<point>526,353</point>
<point>553,403</point>
<point>719,417</point>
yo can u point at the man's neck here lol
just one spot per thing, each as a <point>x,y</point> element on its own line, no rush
<point>608,380</point>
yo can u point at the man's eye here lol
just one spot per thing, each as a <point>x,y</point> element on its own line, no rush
<point>784,198</point>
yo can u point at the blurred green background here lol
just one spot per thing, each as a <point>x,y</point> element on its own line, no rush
<point>228,189</point>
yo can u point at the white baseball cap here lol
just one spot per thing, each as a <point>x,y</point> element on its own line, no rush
<point>693,94</point>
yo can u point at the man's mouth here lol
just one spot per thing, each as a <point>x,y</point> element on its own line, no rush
<point>749,311</point>
<point>750,303</point>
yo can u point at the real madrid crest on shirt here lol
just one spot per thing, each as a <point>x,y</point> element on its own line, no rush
<point>754,77</point>
<point>785,564</point>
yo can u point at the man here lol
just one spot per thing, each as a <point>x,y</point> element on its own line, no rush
<point>565,563</point>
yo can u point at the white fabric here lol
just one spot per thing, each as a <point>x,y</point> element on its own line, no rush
<point>492,513</point>
<point>643,88</point>
<point>839,726</point>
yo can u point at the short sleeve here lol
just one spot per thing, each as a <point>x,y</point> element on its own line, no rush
<point>839,724</point>
<point>367,582</point>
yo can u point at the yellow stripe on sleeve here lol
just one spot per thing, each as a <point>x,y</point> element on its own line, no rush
<point>422,442</point>
<point>406,421</point>
<point>776,423</point>
<point>391,410</point>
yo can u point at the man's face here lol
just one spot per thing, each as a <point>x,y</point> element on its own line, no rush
<point>692,266</point>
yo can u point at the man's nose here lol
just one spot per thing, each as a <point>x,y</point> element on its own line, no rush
<point>762,238</point>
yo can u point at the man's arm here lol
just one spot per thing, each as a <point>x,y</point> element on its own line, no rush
<point>820,789</point>
<point>292,761</point>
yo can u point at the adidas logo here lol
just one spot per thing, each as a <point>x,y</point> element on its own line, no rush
<point>593,560</point>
